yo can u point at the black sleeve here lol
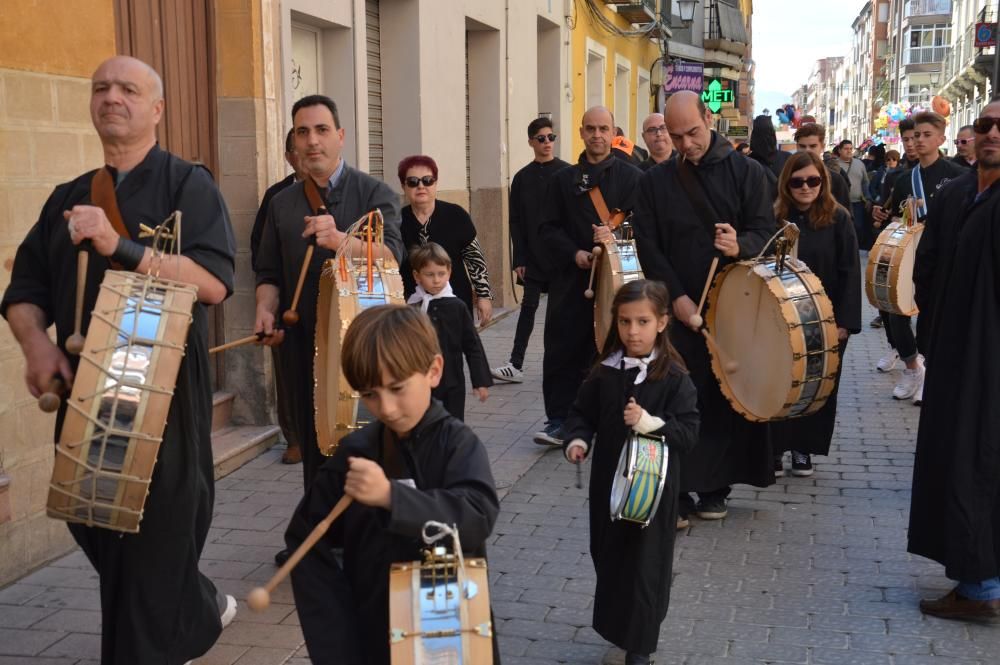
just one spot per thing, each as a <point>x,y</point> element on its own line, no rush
<point>472,347</point>
<point>926,259</point>
<point>515,223</point>
<point>847,300</point>
<point>757,211</point>
<point>681,420</point>
<point>581,423</point>
<point>269,258</point>
<point>467,497</point>
<point>840,189</point>
<point>649,240</point>
<point>386,200</point>
<point>206,233</point>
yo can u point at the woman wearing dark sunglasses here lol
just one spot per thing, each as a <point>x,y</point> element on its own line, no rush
<point>426,219</point>
<point>829,246</point>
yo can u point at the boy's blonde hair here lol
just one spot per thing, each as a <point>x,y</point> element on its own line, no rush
<point>396,338</point>
<point>429,252</point>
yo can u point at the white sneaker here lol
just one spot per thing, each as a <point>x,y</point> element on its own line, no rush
<point>229,613</point>
<point>887,362</point>
<point>911,382</point>
<point>507,373</point>
<point>918,397</point>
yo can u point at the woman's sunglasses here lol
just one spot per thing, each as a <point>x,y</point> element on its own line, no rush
<point>542,138</point>
<point>413,181</point>
<point>984,125</point>
<point>812,181</point>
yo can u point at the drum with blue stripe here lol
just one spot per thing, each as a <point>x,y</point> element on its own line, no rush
<point>640,479</point>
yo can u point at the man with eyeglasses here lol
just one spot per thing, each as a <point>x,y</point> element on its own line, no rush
<point>528,193</point>
<point>965,146</point>
<point>955,503</point>
<point>291,225</point>
<point>654,133</point>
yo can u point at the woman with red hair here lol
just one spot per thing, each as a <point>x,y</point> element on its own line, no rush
<point>426,219</point>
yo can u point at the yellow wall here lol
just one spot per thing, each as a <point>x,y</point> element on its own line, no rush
<point>56,37</point>
<point>640,51</point>
<point>239,48</point>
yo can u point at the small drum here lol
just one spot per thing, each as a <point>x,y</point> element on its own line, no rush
<point>343,292</point>
<point>889,274</point>
<point>618,265</point>
<point>779,327</point>
<point>439,611</point>
<point>118,409</point>
<point>639,479</point>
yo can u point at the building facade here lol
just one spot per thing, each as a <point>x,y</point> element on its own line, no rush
<point>965,80</point>
<point>920,39</point>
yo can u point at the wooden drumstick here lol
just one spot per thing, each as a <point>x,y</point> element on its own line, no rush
<point>50,400</point>
<point>260,598</point>
<point>291,315</point>
<point>75,342</point>
<point>596,252</point>
<point>729,365</point>
<point>249,339</point>
<point>696,321</point>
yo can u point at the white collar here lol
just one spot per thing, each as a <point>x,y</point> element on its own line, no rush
<point>617,358</point>
<point>424,298</point>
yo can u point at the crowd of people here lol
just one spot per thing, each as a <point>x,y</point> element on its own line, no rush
<point>693,202</point>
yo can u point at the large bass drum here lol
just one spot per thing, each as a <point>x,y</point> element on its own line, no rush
<point>777,327</point>
<point>617,265</point>
<point>889,273</point>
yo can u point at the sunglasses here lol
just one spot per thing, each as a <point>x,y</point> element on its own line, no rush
<point>964,141</point>
<point>812,181</point>
<point>413,181</point>
<point>984,125</point>
<point>542,138</point>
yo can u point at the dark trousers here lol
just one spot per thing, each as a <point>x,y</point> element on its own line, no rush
<point>570,348</point>
<point>860,223</point>
<point>453,399</point>
<point>899,333</point>
<point>525,320</point>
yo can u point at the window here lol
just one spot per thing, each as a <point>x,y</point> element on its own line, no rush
<point>926,7</point>
<point>927,43</point>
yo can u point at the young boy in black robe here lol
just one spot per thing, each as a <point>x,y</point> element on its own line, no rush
<point>639,384</point>
<point>415,463</point>
<point>456,331</point>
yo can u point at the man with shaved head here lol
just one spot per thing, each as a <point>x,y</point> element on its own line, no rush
<point>710,201</point>
<point>571,225</point>
<point>654,133</point>
<point>156,607</point>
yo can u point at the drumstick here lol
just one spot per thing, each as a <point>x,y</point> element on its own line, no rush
<point>75,342</point>
<point>291,315</point>
<point>729,365</point>
<point>256,337</point>
<point>695,320</point>
<point>259,598</point>
<point>579,475</point>
<point>596,252</point>
<point>50,400</point>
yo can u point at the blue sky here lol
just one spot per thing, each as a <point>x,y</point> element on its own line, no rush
<point>788,37</point>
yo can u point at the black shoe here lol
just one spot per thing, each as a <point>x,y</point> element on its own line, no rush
<point>779,466</point>
<point>281,557</point>
<point>876,322</point>
<point>632,658</point>
<point>711,509</point>
<point>801,464</point>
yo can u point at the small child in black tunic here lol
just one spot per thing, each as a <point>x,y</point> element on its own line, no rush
<point>639,383</point>
<point>456,330</point>
<point>415,463</point>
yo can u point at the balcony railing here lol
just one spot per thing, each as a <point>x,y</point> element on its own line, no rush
<point>635,11</point>
<point>964,52</point>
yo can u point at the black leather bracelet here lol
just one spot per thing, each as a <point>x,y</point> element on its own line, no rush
<point>128,253</point>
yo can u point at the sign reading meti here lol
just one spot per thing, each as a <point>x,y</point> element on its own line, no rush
<point>715,95</point>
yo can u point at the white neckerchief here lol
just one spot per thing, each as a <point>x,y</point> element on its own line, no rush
<point>424,298</point>
<point>616,360</point>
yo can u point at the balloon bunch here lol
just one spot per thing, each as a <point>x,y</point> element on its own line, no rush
<point>789,115</point>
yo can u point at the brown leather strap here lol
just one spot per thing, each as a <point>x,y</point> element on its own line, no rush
<point>312,195</point>
<point>612,221</point>
<point>102,195</point>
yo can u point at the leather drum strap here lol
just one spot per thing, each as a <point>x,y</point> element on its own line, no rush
<point>102,195</point>
<point>312,195</point>
<point>612,221</point>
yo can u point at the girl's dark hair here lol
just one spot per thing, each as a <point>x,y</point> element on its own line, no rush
<point>659,297</point>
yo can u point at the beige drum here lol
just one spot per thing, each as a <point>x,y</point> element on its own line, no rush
<point>779,331</point>
<point>889,274</point>
<point>121,395</point>
<point>618,265</point>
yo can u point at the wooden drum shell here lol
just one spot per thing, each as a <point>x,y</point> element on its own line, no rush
<point>617,265</point>
<point>889,272</point>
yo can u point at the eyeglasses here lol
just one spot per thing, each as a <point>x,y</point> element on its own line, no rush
<point>812,181</point>
<point>662,129</point>
<point>542,138</point>
<point>965,141</point>
<point>984,125</point>
<point>412,181</point>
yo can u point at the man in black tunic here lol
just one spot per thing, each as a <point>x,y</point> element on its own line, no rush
<point>348,194</point>
<point>570,229</point>
<point>676,245</point>
<point>155,605</point>
<point>955,506</point>
<point>528,191</point>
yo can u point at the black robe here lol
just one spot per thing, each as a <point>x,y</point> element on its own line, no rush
<point>566,228</point>
<point>155,605</point>
<point>344,610</point>
<point>832,255</point>
<point>528,191</point>
<point>279,260</point>
<point>955,505</point>
<point>258,223</point>
<point>676,247</point>
<point>634,565</point>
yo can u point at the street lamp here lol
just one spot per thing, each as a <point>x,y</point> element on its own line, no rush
<point>686,9</point>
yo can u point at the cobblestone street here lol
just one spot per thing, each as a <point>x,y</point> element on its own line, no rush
<point>811,570</point>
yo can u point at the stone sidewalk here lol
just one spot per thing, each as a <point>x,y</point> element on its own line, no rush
<point>807,571</point>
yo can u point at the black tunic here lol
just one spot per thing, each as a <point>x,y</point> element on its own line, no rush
<point>955,505</point>
<point>344,611</point>
<point>634,565</point>
<point>832,255</point>
<point>457,336</point>
<point>258,223</point>
<point>155,605</point>
<point>279,260</point>
<point>933,177</point>
<point>528,191</point>
<point>676,247</point>
<point>569,316</point>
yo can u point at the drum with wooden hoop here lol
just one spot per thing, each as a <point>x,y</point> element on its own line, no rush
<point>640,479</point>
<point>617,265</point>
<point>889,274</point>
<point>777,331</point>
<point>347,285</point>
<point>121,395</point>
